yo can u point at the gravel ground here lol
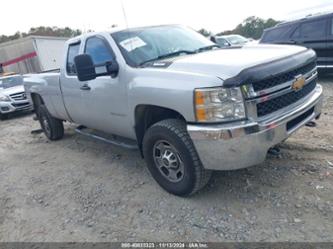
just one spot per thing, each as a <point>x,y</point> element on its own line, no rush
<point>78,189</point>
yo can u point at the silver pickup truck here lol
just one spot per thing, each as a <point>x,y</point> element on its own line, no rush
<point>189,106</point>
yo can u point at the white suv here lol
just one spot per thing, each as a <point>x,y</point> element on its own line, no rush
<point>12,96</point>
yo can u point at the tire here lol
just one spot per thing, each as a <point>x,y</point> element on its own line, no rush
<point>3,116</point>
<point>53,128</point>
<point>168,143</point>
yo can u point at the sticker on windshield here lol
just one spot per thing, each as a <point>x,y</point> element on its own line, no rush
<point>132,43</point>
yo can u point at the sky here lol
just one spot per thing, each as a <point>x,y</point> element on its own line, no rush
<point>98,15</point>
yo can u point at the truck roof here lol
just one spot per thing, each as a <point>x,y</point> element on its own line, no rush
<point>114,30</point>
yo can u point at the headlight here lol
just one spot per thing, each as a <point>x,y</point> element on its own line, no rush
<point>219,104</point>
<point>4,98</point>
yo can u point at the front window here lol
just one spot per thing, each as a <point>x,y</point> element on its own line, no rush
<point>8,82</point>
<point>276,34</point>
<point>99,50</point>
<point>142,45</point>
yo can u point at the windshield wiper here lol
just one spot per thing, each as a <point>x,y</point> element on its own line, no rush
<point>210,47</point>
<point>176,53</point>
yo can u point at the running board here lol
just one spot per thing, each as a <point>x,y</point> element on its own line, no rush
<point>111,139</point>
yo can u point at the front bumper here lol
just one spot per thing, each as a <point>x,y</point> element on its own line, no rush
<point>244,144</point>
<point>10,107</point>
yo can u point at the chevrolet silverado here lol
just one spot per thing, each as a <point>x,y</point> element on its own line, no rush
<point>189,106</point>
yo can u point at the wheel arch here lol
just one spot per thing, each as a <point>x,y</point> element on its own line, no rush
<point>147,115</point>
<point>37,100</point>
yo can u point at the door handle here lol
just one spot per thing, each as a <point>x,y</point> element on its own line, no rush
<point>85,87</point>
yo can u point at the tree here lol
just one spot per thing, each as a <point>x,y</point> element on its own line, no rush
<point>43,31</point>
<point>54,31</point>
<point>252,27</point>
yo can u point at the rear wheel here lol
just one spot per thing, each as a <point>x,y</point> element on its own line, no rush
<point>52,127</point>
<point>172,159</point>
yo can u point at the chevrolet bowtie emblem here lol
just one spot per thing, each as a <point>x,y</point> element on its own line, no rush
<point>298,83</point>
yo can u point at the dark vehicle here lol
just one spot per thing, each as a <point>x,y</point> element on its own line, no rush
<point>314,32</point>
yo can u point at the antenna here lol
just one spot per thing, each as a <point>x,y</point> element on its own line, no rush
<point>124,13</point>
<point>126,22</point>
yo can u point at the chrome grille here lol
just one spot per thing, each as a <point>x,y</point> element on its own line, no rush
<point>260,104</point>
<point>22,106</point>
<point>275,104</point>
<point>19,96</point>
<point>283,77</point>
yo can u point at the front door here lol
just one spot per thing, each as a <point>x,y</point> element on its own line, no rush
<point>104,98</point>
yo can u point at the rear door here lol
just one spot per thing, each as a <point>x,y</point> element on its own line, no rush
<point>330,44</point>
<point>313,34</point>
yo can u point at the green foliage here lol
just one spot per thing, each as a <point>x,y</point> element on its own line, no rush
<point>251,27</point>
<point>4,38</point>
<point>43,31</point>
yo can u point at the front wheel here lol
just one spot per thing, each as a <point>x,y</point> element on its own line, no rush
<point>52,127</point>
<point>172,159</point>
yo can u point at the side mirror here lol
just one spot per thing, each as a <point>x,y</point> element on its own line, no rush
<point>85,67</point>
<point>87,70</point>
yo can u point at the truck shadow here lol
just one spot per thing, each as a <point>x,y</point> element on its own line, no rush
<point>245,184</point>
<point>272,177</point>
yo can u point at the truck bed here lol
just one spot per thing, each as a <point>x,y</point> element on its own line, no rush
<point>47,83</point>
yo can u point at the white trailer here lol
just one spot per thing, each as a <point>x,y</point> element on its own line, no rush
<point>32,54</point>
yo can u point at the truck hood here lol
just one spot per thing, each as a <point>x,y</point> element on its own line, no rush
<point>12,90</point>
<point>228,63</point>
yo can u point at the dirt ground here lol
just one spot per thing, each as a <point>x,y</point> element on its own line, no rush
<point>78,189</point>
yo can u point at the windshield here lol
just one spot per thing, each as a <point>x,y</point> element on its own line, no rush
<point>142,45</point>
<point>8,82</point>
<point>237,39</point>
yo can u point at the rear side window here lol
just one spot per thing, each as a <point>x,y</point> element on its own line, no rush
<point>99,50</point>
<point>313,29</point>
<point>73,50</point>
